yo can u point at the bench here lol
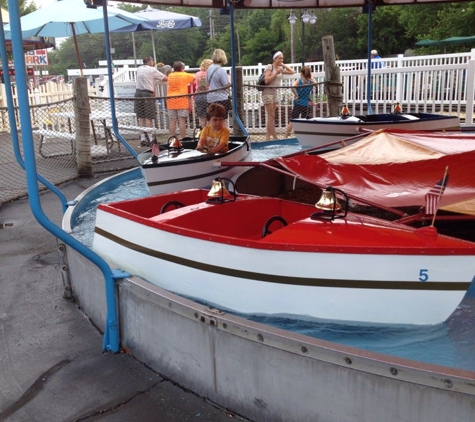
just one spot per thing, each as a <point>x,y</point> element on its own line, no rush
<point>134,129</point>
<point>96,150</point>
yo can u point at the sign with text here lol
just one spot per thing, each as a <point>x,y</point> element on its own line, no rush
<point>36,58</point>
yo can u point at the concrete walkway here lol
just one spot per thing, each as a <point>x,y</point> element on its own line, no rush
<point>51,364</point>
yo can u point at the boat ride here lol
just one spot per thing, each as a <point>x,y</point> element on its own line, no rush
<point>263,255</point>
<point>321,131</point>
<point>179,165</point>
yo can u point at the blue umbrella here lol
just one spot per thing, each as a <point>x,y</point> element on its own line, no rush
<point>159,20</point>
<point>65,18</point>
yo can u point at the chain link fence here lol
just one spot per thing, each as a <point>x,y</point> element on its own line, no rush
<point>56,145</point>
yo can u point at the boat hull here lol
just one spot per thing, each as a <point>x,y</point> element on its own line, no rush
<point>369,283</point>
<point>320,131</point>
<point>190,168</point>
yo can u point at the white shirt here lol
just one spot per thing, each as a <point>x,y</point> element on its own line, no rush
<point>148,77</point>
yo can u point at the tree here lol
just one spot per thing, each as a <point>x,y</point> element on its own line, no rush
<point>388,34</point>
<point>262,32</point>
<point>24,6</point>
<point>259,31</point>
<point>342,24</point>
<point>452,20</point>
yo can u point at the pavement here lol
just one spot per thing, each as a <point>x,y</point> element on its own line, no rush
<point>51,362</point>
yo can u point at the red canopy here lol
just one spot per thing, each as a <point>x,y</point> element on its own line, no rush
<point>397,184</point>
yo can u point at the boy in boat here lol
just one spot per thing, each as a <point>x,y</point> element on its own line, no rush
<point>214,138</point>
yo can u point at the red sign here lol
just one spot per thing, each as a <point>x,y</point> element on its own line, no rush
<point>36,58</point>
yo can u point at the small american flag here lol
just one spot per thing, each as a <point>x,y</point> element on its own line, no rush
<point>434,195</point>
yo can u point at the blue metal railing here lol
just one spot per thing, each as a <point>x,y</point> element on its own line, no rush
<point>111,333</point>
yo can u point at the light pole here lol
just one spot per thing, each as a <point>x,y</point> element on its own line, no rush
<point>306,18</point>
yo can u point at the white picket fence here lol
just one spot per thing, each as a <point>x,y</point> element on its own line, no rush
<point>436,84</point>
<point>47,93</point>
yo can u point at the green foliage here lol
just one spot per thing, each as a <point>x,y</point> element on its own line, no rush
<point>24,6</point>
<point>342,25</point>
<point>262,32</point>
<point>259,31</point>
<point>388,33</point>
<point>453,20</point>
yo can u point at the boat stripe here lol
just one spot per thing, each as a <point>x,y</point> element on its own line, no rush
<point>184,179</point>
<point>300,281</point>
<point>331,134</point>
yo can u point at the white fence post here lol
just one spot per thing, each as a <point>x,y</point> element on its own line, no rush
<point>470,89</point>
<point>399,79</point>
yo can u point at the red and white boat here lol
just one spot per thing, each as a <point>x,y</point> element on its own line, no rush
<point>182,167</point>
<point>265,255</point>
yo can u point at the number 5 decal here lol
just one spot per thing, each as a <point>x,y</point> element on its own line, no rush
<point>423,275</point>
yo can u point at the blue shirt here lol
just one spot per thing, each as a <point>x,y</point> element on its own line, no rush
<point>376,62</point>
<point>303,91</point>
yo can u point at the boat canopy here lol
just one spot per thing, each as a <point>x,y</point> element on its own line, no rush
<point>399,146</point>
<point>395,169</point>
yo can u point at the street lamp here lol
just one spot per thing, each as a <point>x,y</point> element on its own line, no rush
<point>306,18</point>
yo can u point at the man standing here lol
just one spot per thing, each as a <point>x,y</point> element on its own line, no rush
<point>145,105</point>
<point>376,62</point>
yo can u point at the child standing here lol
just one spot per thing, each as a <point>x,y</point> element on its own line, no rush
<point>302,87</point>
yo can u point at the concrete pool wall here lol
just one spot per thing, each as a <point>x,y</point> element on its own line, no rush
<point>264,373</point>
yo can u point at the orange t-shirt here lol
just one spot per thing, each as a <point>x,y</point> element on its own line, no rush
<point>178,86</point>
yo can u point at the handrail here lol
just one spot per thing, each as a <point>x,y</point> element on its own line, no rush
<point>111,332</point>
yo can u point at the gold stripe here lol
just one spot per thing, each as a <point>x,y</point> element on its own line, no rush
<point>298,281</point>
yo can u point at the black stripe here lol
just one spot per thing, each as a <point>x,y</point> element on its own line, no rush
<point>185,179</point>
<point>298,281</point>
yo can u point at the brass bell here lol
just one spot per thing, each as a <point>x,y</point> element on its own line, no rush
<point>328,201</point>
<point>218,190</point>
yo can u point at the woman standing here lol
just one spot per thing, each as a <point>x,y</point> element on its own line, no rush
<point>201,85</point>
<point>273,77</point>
<point>218,78</point>
<point>301,88</point>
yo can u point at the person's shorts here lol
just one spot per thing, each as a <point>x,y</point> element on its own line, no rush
<point>145,105</point>
<point>227,104</point>
<point>201,105</point>
<point>300,111</point>
<point>269,96</point>
<point>175,113</point>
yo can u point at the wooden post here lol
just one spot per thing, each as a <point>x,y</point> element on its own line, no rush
<point>83,127</point>
<point>333,85</point>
